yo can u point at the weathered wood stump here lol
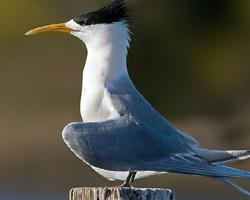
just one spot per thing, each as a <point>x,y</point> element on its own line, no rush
<point>118,193</point>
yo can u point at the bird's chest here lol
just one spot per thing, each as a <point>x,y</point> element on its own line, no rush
<point>97,105</point>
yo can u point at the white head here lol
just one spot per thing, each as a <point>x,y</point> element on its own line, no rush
<point>100,35</point>
<point>106,35</point>
<point>98,28</point>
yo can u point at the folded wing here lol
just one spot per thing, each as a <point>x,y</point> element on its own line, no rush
<point>124,145</point>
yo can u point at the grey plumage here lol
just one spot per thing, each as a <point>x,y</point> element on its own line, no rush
<point>142,140</point>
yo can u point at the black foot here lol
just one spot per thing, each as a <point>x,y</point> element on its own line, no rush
<point>126,185</point>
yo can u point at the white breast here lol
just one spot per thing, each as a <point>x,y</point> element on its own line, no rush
<point>96,105</point>
<point>115,175</point>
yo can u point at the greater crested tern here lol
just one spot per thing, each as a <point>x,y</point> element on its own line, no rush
<point>122,136</point>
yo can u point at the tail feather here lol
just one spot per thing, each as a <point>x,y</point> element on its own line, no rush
<point>224,180</point>
<point>193,165</point>
<point>220,157</point>
<point>229,172</point>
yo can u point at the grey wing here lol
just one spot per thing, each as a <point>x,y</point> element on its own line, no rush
<point>123,145</point>
<point>120,144</point>
<point>130,101</point>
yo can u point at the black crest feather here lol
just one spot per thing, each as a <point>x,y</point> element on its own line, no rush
<point>114,12</point>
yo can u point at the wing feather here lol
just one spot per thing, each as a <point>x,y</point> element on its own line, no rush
<point>123,145</point>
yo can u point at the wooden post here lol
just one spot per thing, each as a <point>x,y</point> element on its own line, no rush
<point>118,193</point>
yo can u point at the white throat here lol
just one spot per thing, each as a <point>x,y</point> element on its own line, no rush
<point>107,46</point>
<point>107,52</point>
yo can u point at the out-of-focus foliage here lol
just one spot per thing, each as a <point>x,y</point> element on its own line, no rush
<point>189,58</point>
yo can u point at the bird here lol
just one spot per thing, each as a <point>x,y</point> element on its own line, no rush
<point>121,136</point>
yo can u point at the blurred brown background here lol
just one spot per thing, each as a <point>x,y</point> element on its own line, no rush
<point>190,59</point>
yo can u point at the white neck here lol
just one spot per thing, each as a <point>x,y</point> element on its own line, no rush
<point>106,62</point>
<point>107,53</point>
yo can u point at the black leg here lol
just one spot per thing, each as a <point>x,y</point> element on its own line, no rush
<point>129,180</point>
<point>132,178</point>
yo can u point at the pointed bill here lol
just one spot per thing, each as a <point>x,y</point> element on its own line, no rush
<point>50,29</point>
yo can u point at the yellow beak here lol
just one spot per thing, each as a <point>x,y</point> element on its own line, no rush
<point>50,29</point>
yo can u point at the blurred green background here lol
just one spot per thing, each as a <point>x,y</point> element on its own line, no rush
<point>189,58</point>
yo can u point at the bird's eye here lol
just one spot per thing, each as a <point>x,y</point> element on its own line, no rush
<point>81,20</point>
